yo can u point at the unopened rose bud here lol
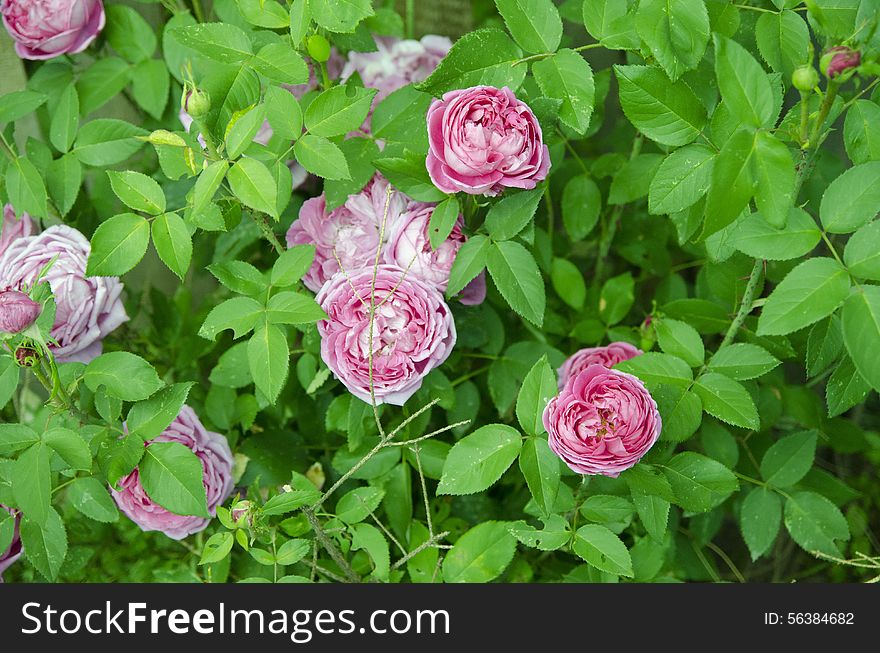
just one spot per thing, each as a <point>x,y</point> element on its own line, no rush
<point>838,60</point>
<point>240,510</point>
<point>195,101</point>
<point>318,47</point>
<point>26,356</point>
<point>17,311</point>
<point>805,78</point>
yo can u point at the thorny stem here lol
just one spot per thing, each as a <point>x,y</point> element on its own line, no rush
<point>350,574</point>
<point>745,306</point>
<point>824,110</point>
<point>266,229</point>
<point>431,541</point>
<point>610,228</point>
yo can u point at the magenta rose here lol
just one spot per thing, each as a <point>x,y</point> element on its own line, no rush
<point>607,356</point>
<point>17,311</point>
<point>841,59</point>
<point>413,332</point>
<point>86,309</point>
<point>349,234</point>
<point>482,140</point>
<point>13,551</point>
<point>43,29</point>
<point>13,227</point>
<point>602,422</point>
<point>213,451</point>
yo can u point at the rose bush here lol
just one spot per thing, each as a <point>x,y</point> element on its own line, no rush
<point>319,291</point>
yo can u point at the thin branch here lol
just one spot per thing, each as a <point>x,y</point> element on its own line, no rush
<point>350,574</point>
<point>430,542</point>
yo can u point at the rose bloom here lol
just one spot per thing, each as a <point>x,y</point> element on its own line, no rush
<point>43,29</point>
<point>86,309</point>
<point>843,59</point>
<point>13,551</point>
<point>349,234</point>
<point>482,140</point>
<point>213,451</point>
<point>13,227</point>
<point>602,422</point>
<point>607,356</point>
<point>413,332</point>
<point>17,311</point>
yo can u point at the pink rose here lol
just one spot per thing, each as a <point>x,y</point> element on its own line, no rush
<point>214,452</point>
<point>17,311</point>
<point>43,29</point>
<point>602,422</point>
<point>607,356</point>
<point>87,309</point>
<point>413,332</point>
<point>13,551</point>
<point>350,234</point>
<point>840,59</point>
<point>13,227</point>
<point>482,140</point>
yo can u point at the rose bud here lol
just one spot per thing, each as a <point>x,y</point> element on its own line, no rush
<point>27,356</point>
<point>17,311</point>
<point>805,78</point>
<point>13,228</point>
<point>483,140</point>
<point>239,511</point>
<point>13,551</point>
<point>195,102</point>
<point>602,422</point>
<point>43,29</point>
<point>839,60</point>
<point>413,332</point>
<point>213,451</point>
<point>86,309</point>
<point>318,47</point>
<point>607,356</point>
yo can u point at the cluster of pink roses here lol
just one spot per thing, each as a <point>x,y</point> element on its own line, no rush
<point>603,420</point>
<point>87,309</point>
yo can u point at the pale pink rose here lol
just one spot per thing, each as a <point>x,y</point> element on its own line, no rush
<point>17,311</point>
<point>13,551</point>
<point>213,451</point>
<point>482,140</point>
<point>607,356</point>
<point>602,422</point>
<point>87,309</point>
<point>349,234</point>
<point>43,29</point>
<point>13,227</point>
<point>413,332</point>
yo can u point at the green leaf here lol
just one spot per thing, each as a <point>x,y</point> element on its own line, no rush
<point>727,400</point>
<point>239,314</point>
<point>568,77</point>
<point>264,13</point>
<point>101,82</point>
<point>118,244</point>
<point>242,128</point>
<point>70,446</point>
<point>25,187</point>
<point>510,215</point>
<point>774,178</point>
<point>240,277</point>
<point>217,548</point>
<point>534,24</point>
<point>518,279</point>
<point>443,219</point>
<point>612,23</point>
<point>283,113</point>
<point>568,282</point>
<point>173,243</point>
<point>150,85</point>
<point>789,459</point>
<point>293,308</point>
<point>292,265</point>
<point>845,388</point>
<point>409,175</point>
<point>602,549</point>
<point>15,437</point>
<point>862,253</point>
<point>537,389</point>
<point>32,483</point>
<point>129,34</point>
<point>478,460</point>
<point>616,298</point>
<point>811,291</point>
<point>293,551</point>
<point>680,339</point>
<point>654,513</point>
<point>612,511</point>
<point>482,57</point>
<point>269,360</point>
<point>137,191</point>
<point>340,15</point>
<point>321,157</point>
<point>290,501</point>
<point>742,361</point>
<point>106,141</point>
<point>217,41</point>
<point>150,417</point>
<point>469,262</point>
<point>861,332</point>
<point>553,536</point>
<point>815,523</point>
<point>759,520</point>
<point>759,239</point>
<point>64,177</point>
<point>852,199</point>
<point>45,544</point>
<point>356,506</point>
<point>207,184</point>
<point>669,113</point>
<point>861,131</point>
<point>338,110</point>
<point>400,117</point>
<point>699,483</point>
<point>300,20</point>
<point>581,205</point>
<point>655,368</point>
<point>281,63</point>
<point>649,480</point>
<point>19,104</point>
<point>542,471</point>
<point>681,180</point>
<point>90,497</point>
<point>65,120</point>
<point>480,555</point>
<point>254,185</point>
<point>171,475</point>
<point>745,87</point>
<point>676,32</point>
<point>123,375</point>
<point>783,40</point>
<point>733,182</point>
<point>824,345</point>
